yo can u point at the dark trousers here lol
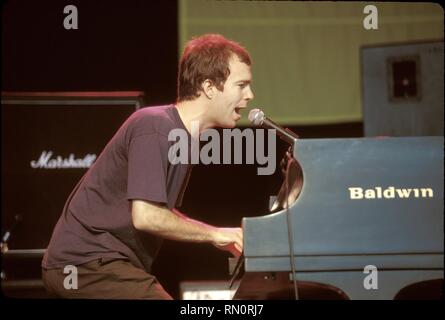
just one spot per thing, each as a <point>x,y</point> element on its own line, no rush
<point>104,278</point>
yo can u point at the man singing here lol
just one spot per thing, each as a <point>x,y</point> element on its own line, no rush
<point>113,223</point>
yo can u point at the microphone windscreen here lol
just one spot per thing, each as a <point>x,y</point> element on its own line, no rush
<point>256,116</point>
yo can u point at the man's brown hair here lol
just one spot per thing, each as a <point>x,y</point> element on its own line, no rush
<point>206,57</point>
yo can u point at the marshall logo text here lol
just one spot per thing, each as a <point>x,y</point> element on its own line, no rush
<point>45,161</point>
<point>390,193</point>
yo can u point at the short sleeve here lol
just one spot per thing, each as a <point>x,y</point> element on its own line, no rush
<point>146,172</point>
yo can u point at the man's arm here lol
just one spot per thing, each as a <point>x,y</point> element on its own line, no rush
<point>171,224</point>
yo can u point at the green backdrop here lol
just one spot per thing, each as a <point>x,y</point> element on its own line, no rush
<point>306,55</point>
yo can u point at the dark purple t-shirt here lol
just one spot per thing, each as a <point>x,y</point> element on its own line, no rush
<point>96,220</point>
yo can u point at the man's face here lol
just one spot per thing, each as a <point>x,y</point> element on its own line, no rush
<point>237,92</point>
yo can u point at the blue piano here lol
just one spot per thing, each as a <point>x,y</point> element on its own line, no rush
<point>354,219</point>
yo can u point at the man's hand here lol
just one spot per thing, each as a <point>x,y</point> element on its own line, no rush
<point>172,224</point>
<point>229,239</point>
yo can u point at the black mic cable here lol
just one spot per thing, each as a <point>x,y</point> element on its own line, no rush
<point>290,235</point>
<point>257,117</point>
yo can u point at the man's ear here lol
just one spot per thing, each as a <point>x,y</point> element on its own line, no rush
<point>208,88</point>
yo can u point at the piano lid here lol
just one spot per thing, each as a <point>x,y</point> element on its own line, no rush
<point>359,196</point>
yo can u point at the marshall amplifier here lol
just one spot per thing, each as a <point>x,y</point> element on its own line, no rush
<point>49,140</point>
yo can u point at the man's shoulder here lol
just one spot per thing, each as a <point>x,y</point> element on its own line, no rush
<point>153,119</point>
<point>154,112</point>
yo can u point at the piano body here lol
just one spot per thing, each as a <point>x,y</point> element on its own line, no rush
<point>353,204</point>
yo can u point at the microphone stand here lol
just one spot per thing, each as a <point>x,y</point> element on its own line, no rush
<point>5,238</point>
<point>290,229</point>
<point>3,250</point>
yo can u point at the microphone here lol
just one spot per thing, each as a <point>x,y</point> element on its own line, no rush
<point>17,219</point>
<point>257,117</point>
